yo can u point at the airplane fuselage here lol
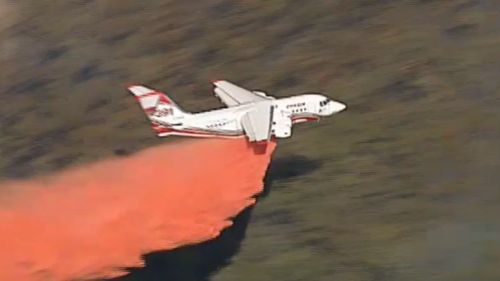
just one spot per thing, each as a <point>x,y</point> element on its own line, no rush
<point>226,122</point>
<point>249,113</point>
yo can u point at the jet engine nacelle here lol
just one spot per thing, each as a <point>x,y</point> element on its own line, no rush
<point>260,93</point>
<point>282,126</point>
<point>282,131</point>
<point>263,94</point>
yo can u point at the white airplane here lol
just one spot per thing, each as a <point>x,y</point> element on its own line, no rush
<point>250,113</point>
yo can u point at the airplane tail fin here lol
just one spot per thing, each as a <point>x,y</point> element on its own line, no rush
<point>162,111</point>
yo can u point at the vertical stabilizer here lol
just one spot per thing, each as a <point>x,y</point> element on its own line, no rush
<point>160,109</point>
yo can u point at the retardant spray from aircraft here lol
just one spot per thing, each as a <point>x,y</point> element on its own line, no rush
<point>92,221</point>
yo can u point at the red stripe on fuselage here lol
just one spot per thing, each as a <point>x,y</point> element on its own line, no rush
<point>304,118</point>
<point>164,131</point>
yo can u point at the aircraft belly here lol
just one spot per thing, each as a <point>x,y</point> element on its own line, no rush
<point>226,127</point>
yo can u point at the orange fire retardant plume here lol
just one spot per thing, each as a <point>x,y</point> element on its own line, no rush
<point>93,220</point>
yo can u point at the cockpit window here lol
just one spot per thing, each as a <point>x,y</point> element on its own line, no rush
<point>324,102</point>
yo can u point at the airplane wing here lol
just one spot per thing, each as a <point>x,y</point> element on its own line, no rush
<point>233,95</point>
<point>257,122</point>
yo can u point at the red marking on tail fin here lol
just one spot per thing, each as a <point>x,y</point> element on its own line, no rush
<point>164,98</point>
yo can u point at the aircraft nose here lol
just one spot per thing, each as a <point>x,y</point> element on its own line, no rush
<point>337,106</point>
